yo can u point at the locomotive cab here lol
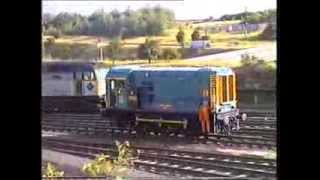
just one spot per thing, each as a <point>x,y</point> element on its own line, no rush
<point>118,98</point>
<point>69,87</point>
<point>86,83</point>
<point>117,93</point>
<point>224,103</point>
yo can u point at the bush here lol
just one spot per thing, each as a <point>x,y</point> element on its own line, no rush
<point>180,37</point>
<point>115,48</point>
<point>246,60</point>
<point>56,33</point>
<point>150,49</point>
<point>70,51</point>
<point>170,53</point>
<point>255,72</point>
<point>52,171</point>
<point>195,35</point>
<point>105,165</point>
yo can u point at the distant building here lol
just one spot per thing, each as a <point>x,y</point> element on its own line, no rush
<point>200,44</point>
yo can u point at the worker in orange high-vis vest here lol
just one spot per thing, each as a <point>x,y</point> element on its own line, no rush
<point>204,117</point>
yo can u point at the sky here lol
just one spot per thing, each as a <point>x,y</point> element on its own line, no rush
<point>183,9</point>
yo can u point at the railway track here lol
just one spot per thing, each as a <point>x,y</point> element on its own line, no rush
<point>96,128</point>
<point>94,124</point>
<point>97,118</point>
<point>177,163</point>
<point>260,113</point>
<point>249,128</point>
<point>251,142</point>
<point>80,115</point>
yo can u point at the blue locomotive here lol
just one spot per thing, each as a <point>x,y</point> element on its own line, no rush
<point>168,99</point>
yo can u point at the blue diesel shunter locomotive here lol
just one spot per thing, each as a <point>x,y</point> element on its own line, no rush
<point>168,99</point>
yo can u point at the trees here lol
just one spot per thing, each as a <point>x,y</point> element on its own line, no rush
<point>146,21</point>
<point>149,50</point>
<point>195,35</point>
<point>180,37</point>
<point>252,17</point>
<point>115,48</point>
<point>52,31</point>
<point>98,25</point>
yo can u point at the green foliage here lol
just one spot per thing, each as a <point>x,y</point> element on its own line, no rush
<point>70,51</point>
<point>52,31</point>
<point>149,50</point>
<point>255,18</point>
<point>247,59</point>
<point>195,35</point>
<point>101,165</point>
<point>105,165</point>
<point>146,21</point>
<point>52,171</point>
<point>252,17</point>
<point>115,48</point>
<point>180,37</point>
<point>170,53</point>
<point>255,73</point>
<point>126,154</point>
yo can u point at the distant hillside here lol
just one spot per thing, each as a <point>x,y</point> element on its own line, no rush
<point>251,17</point>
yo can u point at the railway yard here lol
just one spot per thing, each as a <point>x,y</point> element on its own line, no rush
<point>242,155</point>
<point>143,94</point>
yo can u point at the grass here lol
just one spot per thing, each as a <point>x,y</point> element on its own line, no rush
<point>174,63</point>
<point>220,40</point>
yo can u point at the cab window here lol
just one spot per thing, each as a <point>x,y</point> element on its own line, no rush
<point>93,77</point>
<point>231,86</point>
<point>112,84</point>
<point>224,89</point>
<point>88,76</point>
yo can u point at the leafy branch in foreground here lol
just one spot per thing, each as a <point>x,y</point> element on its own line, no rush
<point>52,171</point>
<point>105,165</point>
